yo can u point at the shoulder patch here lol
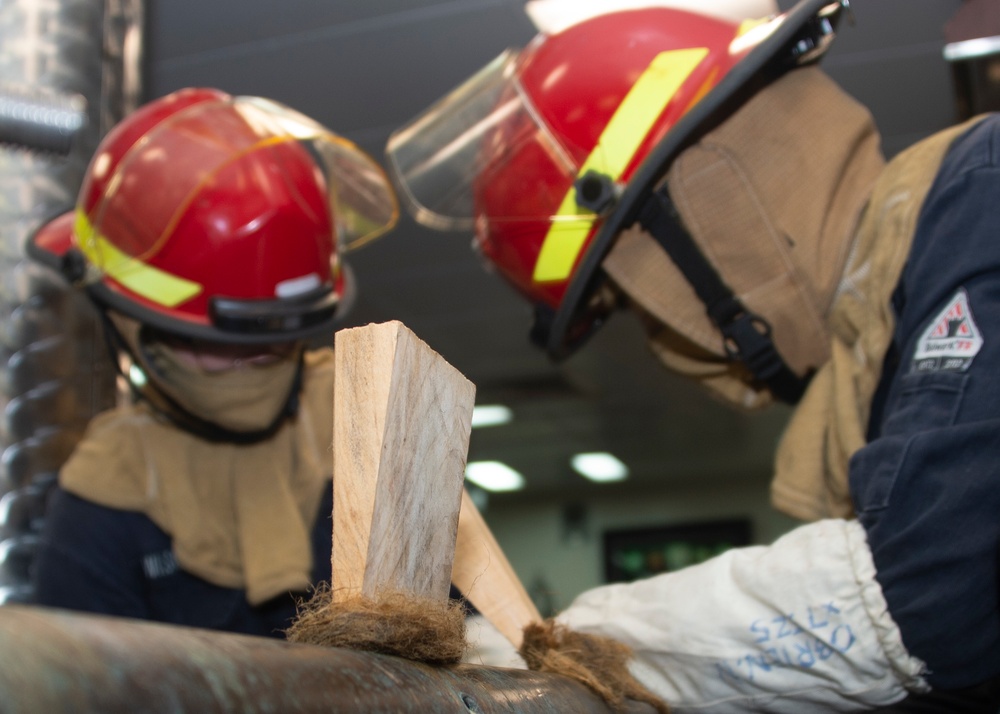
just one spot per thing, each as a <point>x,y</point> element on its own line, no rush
<point>951,339</point>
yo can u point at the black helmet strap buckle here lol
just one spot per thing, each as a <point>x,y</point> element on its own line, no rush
<point>596,191</point>
<point>746,335</point>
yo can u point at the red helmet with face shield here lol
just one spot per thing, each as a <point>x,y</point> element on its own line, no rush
<point>600,111</point>
<point>548,152</point>
<point>220,218</point>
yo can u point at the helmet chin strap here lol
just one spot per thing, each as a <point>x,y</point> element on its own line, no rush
<point>746,335</point>
<point>181,417</point>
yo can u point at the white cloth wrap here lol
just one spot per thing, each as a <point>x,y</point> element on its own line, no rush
<point>487,646</point>
<point>800,625</point>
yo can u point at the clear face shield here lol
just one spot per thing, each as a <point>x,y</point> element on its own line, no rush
<point>470,153</point>
<point>362,198</point>
<point>445,160</point>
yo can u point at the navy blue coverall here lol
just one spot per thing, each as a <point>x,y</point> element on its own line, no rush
<point>114,562</point>
<point>926,487</point>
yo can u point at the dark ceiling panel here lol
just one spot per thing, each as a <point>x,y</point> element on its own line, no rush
<point>355,76</point>
<point>186,28</point>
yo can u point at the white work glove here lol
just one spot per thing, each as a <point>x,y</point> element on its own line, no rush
<point>798,626</point>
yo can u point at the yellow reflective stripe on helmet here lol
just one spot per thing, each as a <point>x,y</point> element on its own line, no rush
<point>614,151</point>
<point>750,24</point>
<point>151,283</point>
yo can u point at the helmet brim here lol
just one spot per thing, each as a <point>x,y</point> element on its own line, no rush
<point>54,246</point>
<point>52,241</point>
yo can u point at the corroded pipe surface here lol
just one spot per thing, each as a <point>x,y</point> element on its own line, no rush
<point>54,661</point>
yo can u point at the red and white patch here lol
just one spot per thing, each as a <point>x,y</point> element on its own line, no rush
<point>951,341</point>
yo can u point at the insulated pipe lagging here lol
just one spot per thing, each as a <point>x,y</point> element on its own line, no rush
<point>70,69</point>
<point>38,120</point>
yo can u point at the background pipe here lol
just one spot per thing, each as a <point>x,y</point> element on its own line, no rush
<point>71,69</point>
<point>38,120</point>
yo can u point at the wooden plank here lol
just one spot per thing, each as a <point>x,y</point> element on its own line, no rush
<point>402,419</point>
<point>485,576</point>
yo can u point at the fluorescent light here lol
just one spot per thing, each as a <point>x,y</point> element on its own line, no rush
<point>490,415</point>
<point>971,49</point>
<point>136,375</point>
<point>553,16</point>
<point>494,476</point>
<point>599,466</point>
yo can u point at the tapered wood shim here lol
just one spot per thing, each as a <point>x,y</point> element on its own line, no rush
<point>485,576</point>
<point>402,418</point>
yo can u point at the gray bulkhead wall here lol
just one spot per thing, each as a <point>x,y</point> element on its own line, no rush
<point>54,371</point>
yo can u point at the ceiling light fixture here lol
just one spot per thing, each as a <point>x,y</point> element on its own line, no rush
<point>601,467</point>
<point>490,415</point>
<point>494,476</point>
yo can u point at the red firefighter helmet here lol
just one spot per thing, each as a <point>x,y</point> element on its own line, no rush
<point>220,218</point>
<point>547,152</point>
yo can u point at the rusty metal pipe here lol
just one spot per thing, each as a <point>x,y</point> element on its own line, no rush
<point>55,661</point>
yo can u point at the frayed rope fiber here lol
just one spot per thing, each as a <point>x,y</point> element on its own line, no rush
<point>393,623</point>
<point>598,662</point>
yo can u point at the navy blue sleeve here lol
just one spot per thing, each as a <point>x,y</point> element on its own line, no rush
<point>927,485</point>
<point>89,559</point>
<point>322,538</point>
